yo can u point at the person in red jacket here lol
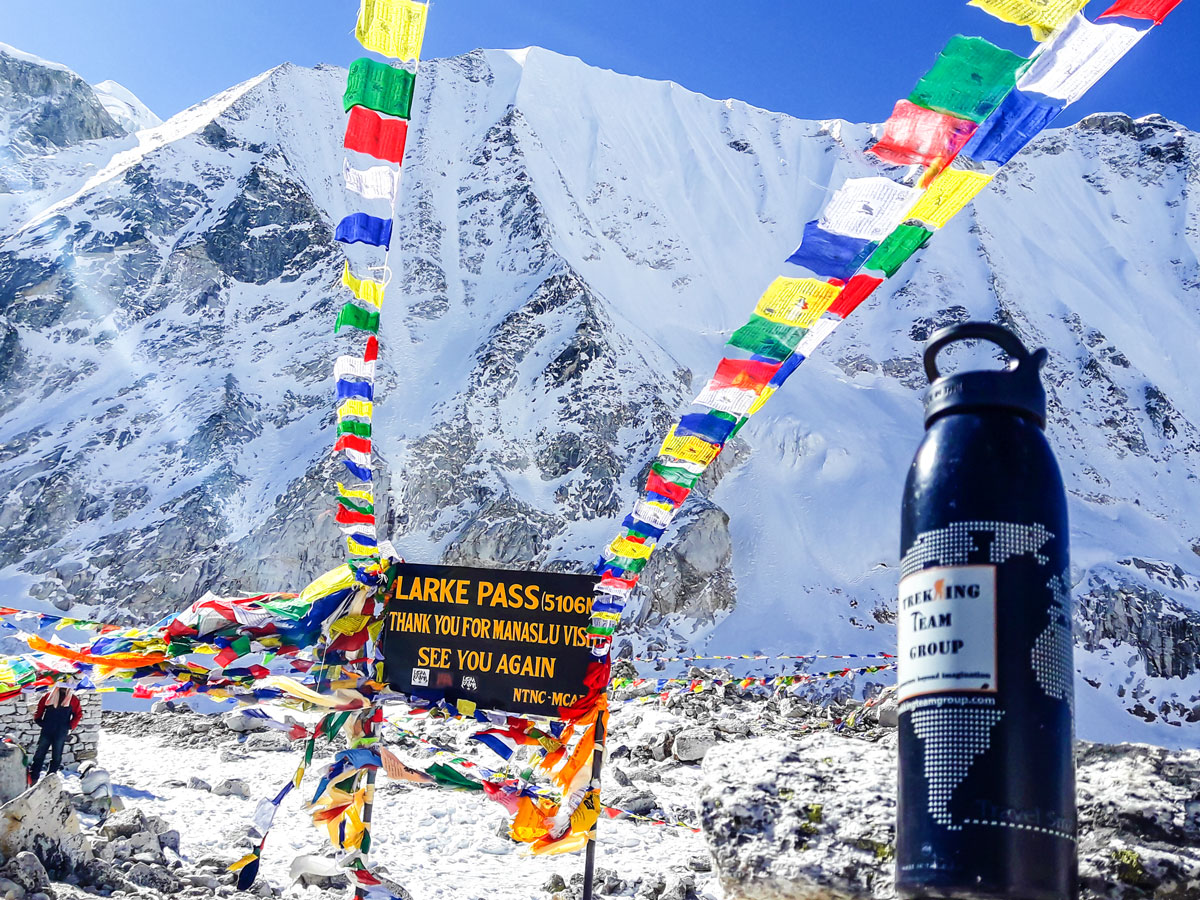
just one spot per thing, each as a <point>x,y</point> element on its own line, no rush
<point>58,712</point>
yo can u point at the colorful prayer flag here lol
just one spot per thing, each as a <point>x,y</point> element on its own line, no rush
<point>914,136</point>
<point>365,289</point>
<point>1076,58</point>
<point>868,208</point>
<point>657,514</point>
<point>373,183</point>
<point>371,353</point>
<point>816,334</point>
<point>360,228</point>
<point>349,517</point>
<point>736,385</point>
<point>354,316</point>
<point>707,426</point>
<point>1154,10</point>
<point>1018,120</point>
<point>350,426</point>
<point>830,255</point>
<point>857,289</point>
<point>394,28</point>
<point>357,549</point>
<point>368,132</point>
<point>631,549</point>
<point>380,87</point>
<point>352,367</point>
<point>1042,16</point>
<point>361,390</point>
<point>796,301</point>
<point>899,246</point>
<point>947,194</point>
<point>362,445</point>
<point>362,473</point>
<point>688,448</point>
<point>356,408</point>
<point>659,485</point>
<point>969,79</point>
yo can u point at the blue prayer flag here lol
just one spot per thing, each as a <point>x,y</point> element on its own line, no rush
<point>355,390</point>
<point>364,229</point>
<point>789,366</point>
<point>831,255</point>
<point>1017,121</point>
<point>360,472</point>
<point>705,426</point>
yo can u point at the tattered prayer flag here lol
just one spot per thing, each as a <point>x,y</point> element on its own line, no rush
<point>354,316</point>
<point>914,136</point>
<point>372,351</point>
<point>361,472</point>
<point>365,289</point>
<point>358,532</point>
<point>1154,10</point>
<point>359,457</point>
<point>868,208</point>
<point>1042,16</point>
<point>899,246</point>
<point>368,132</point>
<point>1077,57</point>
<point>394,28</point>
<point>816,334</point>
<point>796,301</point>
<point>356,493</point>
<point>947,194</point>
<point>707,426</point>
<point>767,339</point>
<point>969,79</point>
<point>688,448</point>
<point>736,385</point>
<point>362,390</point>
<point>362,429</point>
<point>857,289</point>
<point>657,514</point>
<point>374,183</point>
<point>380,87</point>
<point>1020,118</point>
<point>659,485</point>
<point>352,367</point>
<point>355,408</point>
<point>830,255</point>
<point>360,228</point>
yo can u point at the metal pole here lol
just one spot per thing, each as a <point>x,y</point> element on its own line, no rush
<point>589,859</point>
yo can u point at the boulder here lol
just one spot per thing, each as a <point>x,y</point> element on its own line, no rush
<point>270,740</point>
<point>692,743</point>
<point>232,787</point>
<point>13,777</point>
<point>42,821</point>
<point>238,720</point>
<point>198,784</point>
<point>814,819</point>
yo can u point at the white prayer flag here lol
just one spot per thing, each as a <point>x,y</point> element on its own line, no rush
<point>358,457</point>
<point>868,208</point>
<point>1076,58</point>
<point>653,515</point>
<point>735,401</point>
<point>353,367</point>
<point>359,528</point>
<point>816,334</point>
<point>375,183</point>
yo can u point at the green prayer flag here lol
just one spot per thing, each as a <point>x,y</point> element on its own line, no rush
<point>445,775</point>
<point>969,79</point>
<point>353,426</point>
<point>378,86</point>
<point>241,645</point>
<point>676,474</point>
<point>358,506</point>
<point>627,563</point>
<point>762,337</point>
<point>738,427</point>
<point>355,316</point>
<point>897,247</point>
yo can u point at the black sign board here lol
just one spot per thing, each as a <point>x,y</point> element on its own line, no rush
<point>502,640</point>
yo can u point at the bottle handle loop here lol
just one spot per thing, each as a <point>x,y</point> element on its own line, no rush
<point>982,331</point>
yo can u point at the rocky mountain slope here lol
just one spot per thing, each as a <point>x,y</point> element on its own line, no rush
<point>573,248</point>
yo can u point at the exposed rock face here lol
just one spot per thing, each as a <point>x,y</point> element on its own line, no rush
<point>41,820</point>
<point>49,107</point>
<point>816,819</point>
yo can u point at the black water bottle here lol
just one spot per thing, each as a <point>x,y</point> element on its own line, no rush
<point>985,683</point>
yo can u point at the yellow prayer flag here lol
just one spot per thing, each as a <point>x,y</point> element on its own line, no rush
<point>796,301</point>
<point>466,707</point>
<point>351,624</point>
<point>365,289</point>
<point>357,549</point>
<point>394,28</point>
<point>762,398</point>
<point>631,549</point>
<point>355,493</point>
<point>689,449</point>
<point>949,192</point>
<point>361,409</point>
<point>1042,16</point>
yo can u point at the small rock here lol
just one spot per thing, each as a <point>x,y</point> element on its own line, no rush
<point>198,784</point>
<point>201,880</point>
<point>619,776</point>
<point>238,720</point>
<point>554,884</point>
<point>270,741</point>
<point>232,787</point>
<point>700,863</point>
<point>692,743</point>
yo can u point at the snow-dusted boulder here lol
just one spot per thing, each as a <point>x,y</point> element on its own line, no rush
<point>42,821</point>
<point>815,819</point>
<point>692,743</point>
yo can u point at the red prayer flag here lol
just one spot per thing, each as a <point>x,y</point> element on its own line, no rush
<point>352,442</point>
<point>1155,10</point>
<point>347,517</point>
<point>746,374</point>
<point>370,133</point>
<point>674,492</point>
<point>914,135</point>
<point>225,657</point>
<point>857,290</point>
<point>372,352</point>
<point>613,581</point>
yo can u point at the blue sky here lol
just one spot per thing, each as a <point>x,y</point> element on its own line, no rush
<point>834,58</point>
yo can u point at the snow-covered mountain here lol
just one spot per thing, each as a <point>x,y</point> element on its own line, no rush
<point>573,248</point>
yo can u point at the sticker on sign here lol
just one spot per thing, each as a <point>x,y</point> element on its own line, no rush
<point>947,631</point>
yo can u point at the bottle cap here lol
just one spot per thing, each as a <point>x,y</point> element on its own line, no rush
<point>1017,387</point>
